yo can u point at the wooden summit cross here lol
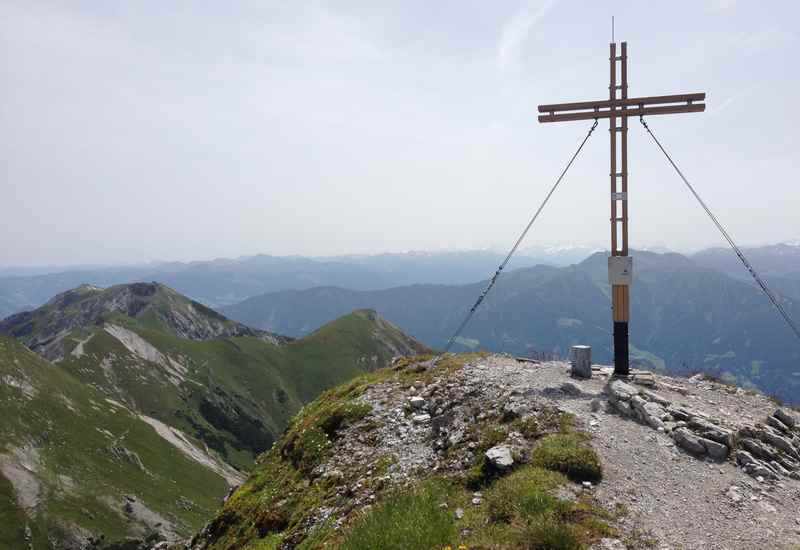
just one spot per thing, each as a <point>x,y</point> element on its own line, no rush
<point>620,265</point>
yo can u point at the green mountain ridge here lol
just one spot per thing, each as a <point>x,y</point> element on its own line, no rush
<point>686,318</point>
<point>205,390</point>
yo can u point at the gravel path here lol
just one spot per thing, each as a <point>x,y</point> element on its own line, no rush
<point>683,502</point>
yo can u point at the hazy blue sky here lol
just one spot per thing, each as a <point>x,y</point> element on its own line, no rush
<point>188,130</point>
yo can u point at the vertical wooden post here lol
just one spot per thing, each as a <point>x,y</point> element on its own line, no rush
<point>624,147</point>
<point>620,293</point>
<point>612,95</point>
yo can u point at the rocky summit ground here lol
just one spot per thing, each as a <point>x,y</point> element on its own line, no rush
<point>678,499</point>
<point>687,463</point>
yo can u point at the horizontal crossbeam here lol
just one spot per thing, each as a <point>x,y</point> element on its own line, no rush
<point>626,112</point>
<point>635,101</point>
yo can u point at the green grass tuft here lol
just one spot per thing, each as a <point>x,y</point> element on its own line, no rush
<point>312,433</point>
<point>521,511</point>
<point>523,493</point>
<point>546,534</point>
<point>307,448</point>
<point>404,522</point>
<point>566,453</point>
<point>272,542</point>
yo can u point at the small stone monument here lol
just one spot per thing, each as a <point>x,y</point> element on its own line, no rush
<point>581,361</point>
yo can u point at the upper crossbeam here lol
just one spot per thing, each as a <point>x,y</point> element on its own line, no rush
<point>636,106</point>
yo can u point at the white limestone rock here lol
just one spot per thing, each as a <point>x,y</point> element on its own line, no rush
<point>421,418</point>
<point>500,457</point>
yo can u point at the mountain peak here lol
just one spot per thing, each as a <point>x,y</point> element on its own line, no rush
<point>150,304</point>
<point>116,298</point>
<point>364,329</point>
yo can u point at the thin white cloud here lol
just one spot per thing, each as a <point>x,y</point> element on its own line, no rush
<point>515,32</point>
<point>763,40</point>
<point>724,105</point>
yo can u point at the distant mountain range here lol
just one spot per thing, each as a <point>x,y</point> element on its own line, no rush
<point>683,307</point>
<point>779,264</point>
<point>228,281</point>
<point>685,317</point>
<point>223,282</point>
<point>144,406</point>
<point>213,283</point>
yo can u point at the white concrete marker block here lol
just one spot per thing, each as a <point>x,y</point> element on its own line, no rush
<point>581,361</point>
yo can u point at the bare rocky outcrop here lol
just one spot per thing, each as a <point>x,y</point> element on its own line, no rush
<point>20,466</point>
<point>179,440</point>
<point>43,330</point>
<point>768,449</point>
<point>146,521</point>
<point>138,346</point>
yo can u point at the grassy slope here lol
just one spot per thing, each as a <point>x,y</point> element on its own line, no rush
<point>76,467</point>
<point>239,393</point>
<point>236,375</point>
